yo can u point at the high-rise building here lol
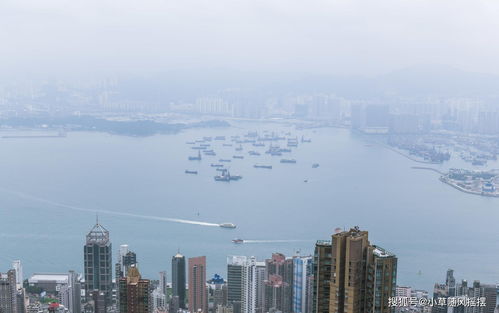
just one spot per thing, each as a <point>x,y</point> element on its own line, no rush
<point>279,284</point>
<point>450,282</point>
<point>8,292</point>
<point>70,293</point>
<point>261,275</point>
<point>198,297</point>
<point>98,263</point>
<point>125,261</point>
<point>245,280</point>
<point>363,276</point>
<point>159,295</point>
<point>302,273</point>
<point>322,276</point>
<point>134,293</point>
<point>178,280</point>
<point>162,282</point>
<point>17,266</point>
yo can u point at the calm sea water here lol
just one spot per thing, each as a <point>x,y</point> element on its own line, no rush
<point>429,225</point>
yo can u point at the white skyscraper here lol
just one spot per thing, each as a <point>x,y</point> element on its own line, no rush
<point>243,280</point>
<point>16,265</point>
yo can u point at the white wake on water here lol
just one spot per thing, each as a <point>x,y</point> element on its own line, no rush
<point>109,212</point>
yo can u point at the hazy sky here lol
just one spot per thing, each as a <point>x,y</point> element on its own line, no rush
<point>312,36</point>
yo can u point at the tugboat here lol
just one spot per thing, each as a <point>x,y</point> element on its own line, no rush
<point>237,241</point>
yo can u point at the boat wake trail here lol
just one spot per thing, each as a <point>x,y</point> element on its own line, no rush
<point>108,212</point>
<point>272,241</point>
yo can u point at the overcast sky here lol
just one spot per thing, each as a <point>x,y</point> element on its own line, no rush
<point>310,36</point>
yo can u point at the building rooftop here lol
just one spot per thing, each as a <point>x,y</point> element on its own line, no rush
<point>49,277</point>
<point>382,253</point>
<point>98,234</point>
<point>323,243</point>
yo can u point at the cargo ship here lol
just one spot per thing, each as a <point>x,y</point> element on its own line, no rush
<point>263,166</point>
<point>225,176</point>
<point>194,158</point>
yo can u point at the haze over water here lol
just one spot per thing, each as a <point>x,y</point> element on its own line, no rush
<point>51,188</point>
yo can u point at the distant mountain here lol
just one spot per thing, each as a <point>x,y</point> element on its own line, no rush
<point>438,81</point>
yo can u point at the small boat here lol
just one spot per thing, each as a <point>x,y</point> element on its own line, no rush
<point>288,161</point>
<point>224,160</point>
<point>237,241</point>
<point>238,157</point>
<point>217,165</point>
<point>315,165</point>
<point>227,225</point>
<point>191,172</point>
<point>254,153</point>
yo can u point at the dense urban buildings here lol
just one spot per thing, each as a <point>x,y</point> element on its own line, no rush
<point>450,290</point>
<point>347,274</point>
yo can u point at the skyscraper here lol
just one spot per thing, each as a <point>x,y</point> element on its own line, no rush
<point>98,263</point>
<point>178,279</point>
<point>302,270</point>
<point>279,284</point>
<point>125,261</point>
<point>134,293</point>
<point>18,268</point>
<point>162,282</point>
<point>363,276</point>
<point>242,283</point>
<point>8,292</point>
<point>198,301</point>
<point>322,276</point>
<point>70,293</point>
